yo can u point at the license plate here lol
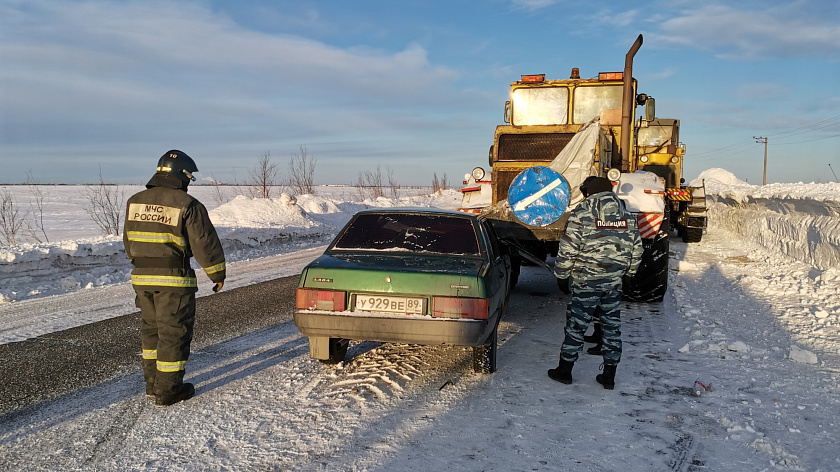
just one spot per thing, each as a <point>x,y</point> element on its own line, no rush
<point>383,304</point>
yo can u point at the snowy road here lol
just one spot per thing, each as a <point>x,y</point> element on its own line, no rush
<point>262,404</point>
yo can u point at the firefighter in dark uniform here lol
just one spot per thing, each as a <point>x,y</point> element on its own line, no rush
<point>600,246</point>
<point>164,228</point>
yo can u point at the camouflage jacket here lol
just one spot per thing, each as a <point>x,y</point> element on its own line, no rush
<point>601,243</point>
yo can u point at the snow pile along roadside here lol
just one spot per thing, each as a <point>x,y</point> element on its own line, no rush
<point>247,228</point>
<point>801,221</point>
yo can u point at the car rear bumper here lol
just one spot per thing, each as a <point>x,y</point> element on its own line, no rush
<point>400,330</point>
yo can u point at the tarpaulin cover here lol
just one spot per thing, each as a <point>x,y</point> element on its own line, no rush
<point>576,161</point>
<point>642,192</point>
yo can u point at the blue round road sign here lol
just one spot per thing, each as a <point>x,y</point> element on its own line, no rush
<point>539,196</point>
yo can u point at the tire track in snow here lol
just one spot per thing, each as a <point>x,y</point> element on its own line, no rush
<point>378,373</point>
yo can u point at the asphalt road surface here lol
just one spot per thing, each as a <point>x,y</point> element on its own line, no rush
<point>49,366</point>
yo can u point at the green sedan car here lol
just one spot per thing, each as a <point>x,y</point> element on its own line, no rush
<point>415,276</point>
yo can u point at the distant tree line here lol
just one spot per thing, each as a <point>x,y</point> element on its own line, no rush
<point>106,201</point>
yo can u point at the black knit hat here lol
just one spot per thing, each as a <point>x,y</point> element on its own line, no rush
<point>593,185</point>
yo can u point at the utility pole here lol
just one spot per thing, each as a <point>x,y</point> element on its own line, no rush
<point>761,140</point>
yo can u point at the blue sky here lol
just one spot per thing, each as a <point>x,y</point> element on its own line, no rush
<point>107,86</point>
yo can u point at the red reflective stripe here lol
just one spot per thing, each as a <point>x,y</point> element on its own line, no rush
<point>649,224</point>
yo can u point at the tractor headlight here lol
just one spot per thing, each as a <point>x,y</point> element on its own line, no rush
<point>478,173</point>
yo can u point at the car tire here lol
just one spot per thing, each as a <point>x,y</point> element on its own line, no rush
<point>338,350</point>
<point>484,356</point>
<point>515,270</point>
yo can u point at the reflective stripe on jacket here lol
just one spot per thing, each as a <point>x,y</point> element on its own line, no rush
<point>164,228</point>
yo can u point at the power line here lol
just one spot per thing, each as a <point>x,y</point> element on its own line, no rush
<point>826,123</point>
<point>808,141</point>
<point>747,144</point>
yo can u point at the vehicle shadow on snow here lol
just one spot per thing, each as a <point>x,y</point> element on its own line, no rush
<point>519,419</point>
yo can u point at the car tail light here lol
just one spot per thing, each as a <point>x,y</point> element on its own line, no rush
<point>314,299</point>
<point>454,307</point>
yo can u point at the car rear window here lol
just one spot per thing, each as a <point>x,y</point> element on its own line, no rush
<point>410,233</point>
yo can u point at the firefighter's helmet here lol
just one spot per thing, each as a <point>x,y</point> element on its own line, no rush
<point>179,164</point>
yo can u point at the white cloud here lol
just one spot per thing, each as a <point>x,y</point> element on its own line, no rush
<point>622,19</point>
<point>532,5</point>
<point>166,43</point>
<point>784,31</point>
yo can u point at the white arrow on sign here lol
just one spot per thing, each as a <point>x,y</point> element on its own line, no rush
<point>523,204</point>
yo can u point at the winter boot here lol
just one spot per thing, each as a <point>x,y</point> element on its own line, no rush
<point>563,372</point>
<point>607,379</point>
<point>595,337</point>
<point>182,392</point>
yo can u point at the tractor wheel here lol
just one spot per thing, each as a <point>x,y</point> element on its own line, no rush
<point>692,235</point>
<point>651,281</point>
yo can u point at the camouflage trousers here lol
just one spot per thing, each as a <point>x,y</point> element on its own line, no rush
<point>583,305</point>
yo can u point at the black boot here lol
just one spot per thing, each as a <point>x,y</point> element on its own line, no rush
<point>183,392</point>
<point>596,335</point>
<point>563,372</point>
<point>596,349</point>
<point>607,379</point>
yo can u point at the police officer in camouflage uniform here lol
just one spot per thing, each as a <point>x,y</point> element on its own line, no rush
<point>600,246</point>
<point>164,228</point>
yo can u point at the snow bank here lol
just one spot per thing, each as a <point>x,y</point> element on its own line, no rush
<point>248,228</point>
<point>801,221</point>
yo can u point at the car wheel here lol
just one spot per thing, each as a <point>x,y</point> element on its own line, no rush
<point>484,357</point>
<point>338,350</point>
<point>516,268</point>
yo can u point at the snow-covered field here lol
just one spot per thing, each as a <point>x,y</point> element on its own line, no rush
<point>753,311</point>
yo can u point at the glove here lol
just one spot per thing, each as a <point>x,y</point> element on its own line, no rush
<point>218,286</point>
<point>563,284</point>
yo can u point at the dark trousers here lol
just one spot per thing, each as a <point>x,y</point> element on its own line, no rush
<point>583,305</point>
<point>166,331</point>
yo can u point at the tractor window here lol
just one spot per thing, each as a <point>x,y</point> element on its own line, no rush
<point>655,135</point>
<point>540,106</point>
<point>590,101</point>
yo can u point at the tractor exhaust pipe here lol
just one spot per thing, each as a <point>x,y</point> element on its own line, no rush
<point>628,105</point>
